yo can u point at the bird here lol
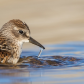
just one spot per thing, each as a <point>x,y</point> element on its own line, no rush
<point>12,36</point>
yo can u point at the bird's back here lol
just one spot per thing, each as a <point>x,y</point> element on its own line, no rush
<point>5,50</point>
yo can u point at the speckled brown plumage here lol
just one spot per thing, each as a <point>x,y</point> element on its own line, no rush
<point>10,45</point>
<point>19,23</point>
<point>7,49</point>
<point>4,56</point>
<point>12,36</point>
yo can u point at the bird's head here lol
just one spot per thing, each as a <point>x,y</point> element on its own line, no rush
<point>16,29</point>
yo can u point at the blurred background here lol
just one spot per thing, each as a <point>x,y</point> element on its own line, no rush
<point>50,21</point>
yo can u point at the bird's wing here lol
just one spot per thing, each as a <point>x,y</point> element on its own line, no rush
<point>5,50</point>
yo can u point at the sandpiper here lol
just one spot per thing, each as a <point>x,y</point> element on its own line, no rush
<point>12,35</point>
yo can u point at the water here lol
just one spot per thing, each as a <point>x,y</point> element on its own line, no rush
<point>66,74</point>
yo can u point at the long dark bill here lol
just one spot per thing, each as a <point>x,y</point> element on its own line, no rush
<point>31,40</point>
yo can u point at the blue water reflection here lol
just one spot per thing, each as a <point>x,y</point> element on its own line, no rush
<point>59,75</point>
<point>67,49</point>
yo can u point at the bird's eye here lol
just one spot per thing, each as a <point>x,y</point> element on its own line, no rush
<point>20,31</point>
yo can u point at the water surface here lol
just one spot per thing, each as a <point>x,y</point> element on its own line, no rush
<point>65,74</point>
